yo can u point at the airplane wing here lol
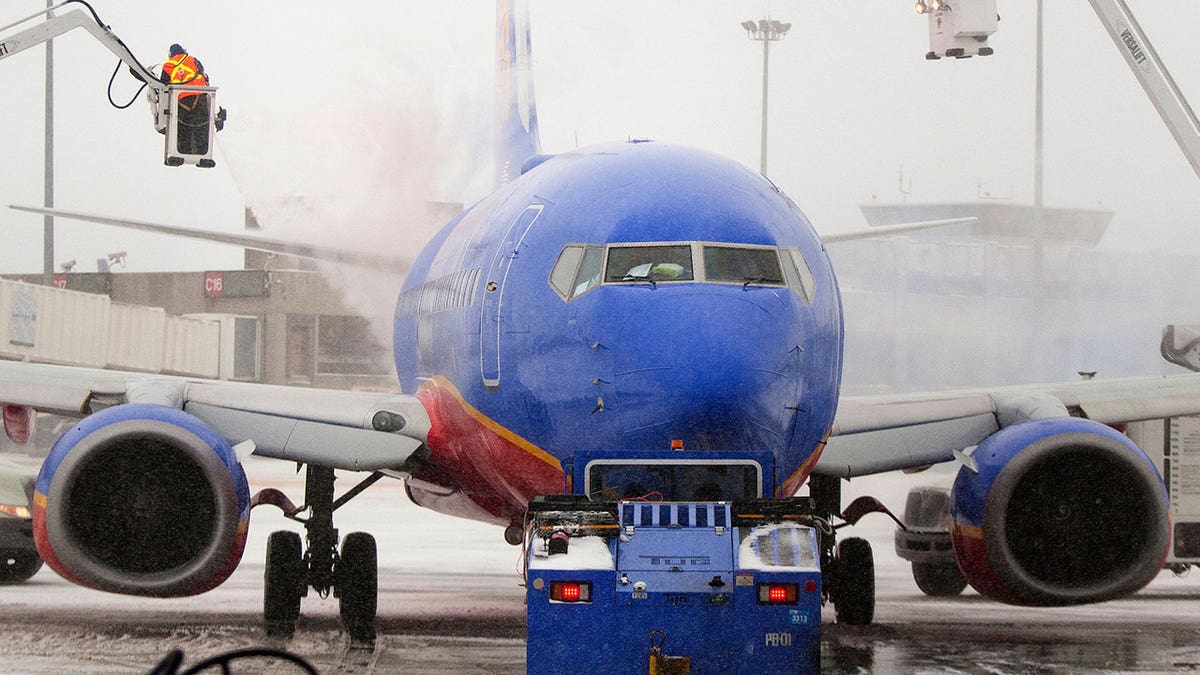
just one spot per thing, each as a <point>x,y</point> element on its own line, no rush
<point>873,434</point>
<point>357,431</point>
<point>380,261</point>
<point>900,228</point>
<point>391,263</point>
<point>145,494</point>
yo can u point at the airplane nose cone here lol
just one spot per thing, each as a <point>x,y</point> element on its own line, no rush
<point>679,373</point>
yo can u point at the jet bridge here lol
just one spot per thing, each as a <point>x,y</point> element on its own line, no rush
<point>187,116</point>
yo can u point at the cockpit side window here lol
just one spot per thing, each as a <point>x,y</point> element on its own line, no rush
<point>799,276</point>
<point>742,265</point>
<point>649,263</point>
<point>562,276</point>
<point>577,270</point>
<point>590,269</point>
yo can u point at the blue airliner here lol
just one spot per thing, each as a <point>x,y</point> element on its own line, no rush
<point>626,298</point>
<point>621,296</point>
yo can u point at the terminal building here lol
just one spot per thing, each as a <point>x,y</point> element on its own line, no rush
<point>288,326</point>
<point>1000,303</point>
<point>282,320</point>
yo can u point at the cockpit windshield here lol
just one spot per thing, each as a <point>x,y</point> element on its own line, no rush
<point>742,265</point>
<point>583,267</point>
<point>649,263</point>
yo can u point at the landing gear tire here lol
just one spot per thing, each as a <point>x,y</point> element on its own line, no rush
<point>283,584</point>
<point>938,579</point>
<point>18,567</point>
<point>356,582</point>
<point>854,598</point>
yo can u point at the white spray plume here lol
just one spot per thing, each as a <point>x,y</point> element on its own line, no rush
<point>361,165</point>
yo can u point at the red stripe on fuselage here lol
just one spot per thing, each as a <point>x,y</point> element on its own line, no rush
<point>499,470</point>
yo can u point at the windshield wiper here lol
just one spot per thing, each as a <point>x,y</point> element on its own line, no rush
<point>640,277</point>
<point>759,280</point>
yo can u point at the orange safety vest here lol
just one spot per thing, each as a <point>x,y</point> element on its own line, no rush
<point>183,69</point>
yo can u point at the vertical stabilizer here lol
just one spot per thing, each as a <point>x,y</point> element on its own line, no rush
<point>516,112</point>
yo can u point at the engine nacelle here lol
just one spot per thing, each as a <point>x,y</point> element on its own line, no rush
<point>1062,511</point>
<point>142,499</point>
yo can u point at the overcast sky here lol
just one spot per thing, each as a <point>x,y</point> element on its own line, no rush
<point>367,109</point>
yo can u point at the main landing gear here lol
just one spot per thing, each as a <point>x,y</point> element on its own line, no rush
<point>351,573</point>
<point>849,565</point>
<point>852,572</point>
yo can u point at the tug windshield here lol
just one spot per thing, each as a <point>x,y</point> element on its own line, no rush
<point>686,481</point>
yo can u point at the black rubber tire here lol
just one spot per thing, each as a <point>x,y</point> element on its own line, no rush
<point>18,566</point>
<point>854,597</point>
<point>283,583</point>
<point>938,579</point>
<point>356,581</point>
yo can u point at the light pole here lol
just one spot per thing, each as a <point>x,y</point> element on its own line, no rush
<point>765,31</point>
<point>48,168</point>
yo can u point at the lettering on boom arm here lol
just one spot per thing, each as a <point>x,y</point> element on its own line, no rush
<point>3,49</point>
<point>1131,43</point>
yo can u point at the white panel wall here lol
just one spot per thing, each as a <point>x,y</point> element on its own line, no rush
<point>51,325</point>
<point>191,347</point>
<point>135,337</point>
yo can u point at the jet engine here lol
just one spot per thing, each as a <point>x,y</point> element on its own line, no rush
<point>142,499</point>
<point>1059,511</point>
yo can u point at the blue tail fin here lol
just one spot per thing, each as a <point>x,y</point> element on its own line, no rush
<point>516,111</point>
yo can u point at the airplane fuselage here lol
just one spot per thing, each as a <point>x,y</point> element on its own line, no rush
<point>619,297</point>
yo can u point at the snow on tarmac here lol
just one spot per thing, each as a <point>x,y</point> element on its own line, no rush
<point>451,602</point>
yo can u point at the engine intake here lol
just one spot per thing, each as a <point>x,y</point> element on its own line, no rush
<point>1061,511</point>
<point>142,499</point>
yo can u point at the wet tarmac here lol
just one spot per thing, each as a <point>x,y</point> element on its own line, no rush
<point>450,602</point>
<point>915,634</point>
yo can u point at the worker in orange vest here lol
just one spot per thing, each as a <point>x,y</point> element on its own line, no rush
<point>183,68</point>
